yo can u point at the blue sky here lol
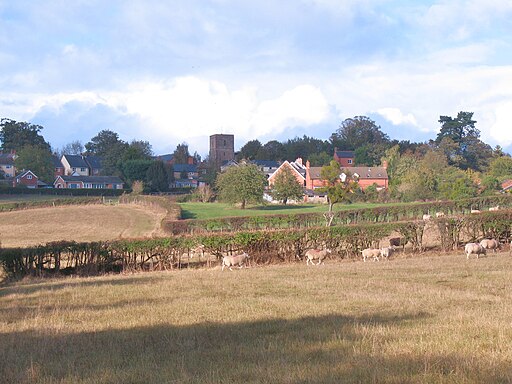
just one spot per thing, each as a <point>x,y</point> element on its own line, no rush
<point>178,71</point>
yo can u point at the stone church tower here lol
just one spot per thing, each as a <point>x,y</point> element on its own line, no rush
<point>222,148</point>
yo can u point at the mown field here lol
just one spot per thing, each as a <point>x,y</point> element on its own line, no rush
<point>78,222</point>
<point>201,211</point>
<point>431,318</point>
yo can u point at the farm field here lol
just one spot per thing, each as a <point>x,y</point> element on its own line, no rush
<point>431,318</point>
<point>202,211</point>
<point>78,222</point>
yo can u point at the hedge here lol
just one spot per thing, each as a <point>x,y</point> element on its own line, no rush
<point>264,247</point>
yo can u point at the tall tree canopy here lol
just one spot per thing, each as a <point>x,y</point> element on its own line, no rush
<point>241,184</point>
<point>357,132</point>
<point>15,135</point>
<point>107,145</point>
<point>181,154</point>
<point>38,159</point>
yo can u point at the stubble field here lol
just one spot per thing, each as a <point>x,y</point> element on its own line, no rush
<point>79,223</point>
<point>431,318</point>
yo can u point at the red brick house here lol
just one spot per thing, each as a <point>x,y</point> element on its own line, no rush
<point>297,168</point>
<point>26,178</point>
<point>344,158</point>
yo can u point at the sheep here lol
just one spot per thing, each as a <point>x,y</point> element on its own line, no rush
<point>490,244</point>
<point>397,242</point>
<point>231,261</point>
<point>315,254</point>
<point>386,252</point>
<point>496,208</point>
<point>474,248</point>
<point>439,214</point>
<point>371,252</point>
<point>426,217</point>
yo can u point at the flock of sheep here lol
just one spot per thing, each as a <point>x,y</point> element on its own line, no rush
<point>374,254</point>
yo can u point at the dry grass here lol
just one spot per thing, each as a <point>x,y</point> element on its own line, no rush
<point>435,319</point>
<point>79,223</point>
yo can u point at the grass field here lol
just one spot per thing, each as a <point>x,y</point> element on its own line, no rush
<point>79,223</point>
<point>217,210</point>
<point>428,319</point>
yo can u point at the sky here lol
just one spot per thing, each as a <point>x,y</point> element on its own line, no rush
<point>179,71</point>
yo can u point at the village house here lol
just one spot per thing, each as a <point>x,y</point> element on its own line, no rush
<point>7,164</point>
<point>28,179</point>
<point>88,182</point>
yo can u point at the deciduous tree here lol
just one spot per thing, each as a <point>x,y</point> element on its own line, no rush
<point>241,184</point>
<point>286,186</point>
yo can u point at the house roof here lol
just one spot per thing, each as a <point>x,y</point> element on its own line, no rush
<point>56,162</point>
<point>266,163</point>
<point>167,157</point>
<point>6,158</point>
<point>345,154</point>
<point>25,173</point>
<point>368,172</point>
<point>506,185</point>
<point>76,161</point>
<point>92,179</point>
<point>184,168</point>
<point>94,162</point>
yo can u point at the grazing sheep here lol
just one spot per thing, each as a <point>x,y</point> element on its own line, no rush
<point>475,211</point>
<point>474,248</point>
<point>386,252</point>
<point>371,253</point>
<point>496,208</point>
<point>315,254</point>
<point>398,242</point>
<point>231,261</point>
<point>426,217</point>
<point>439,214</point>
<point>490,244</point>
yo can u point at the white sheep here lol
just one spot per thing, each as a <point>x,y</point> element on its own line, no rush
<point>386,252</point>
<point>371,253</point>
<point>315,254</point>
<point>496,208</point>
<point>231,261</point>
<point>490,244</point>
<point>474,248</point>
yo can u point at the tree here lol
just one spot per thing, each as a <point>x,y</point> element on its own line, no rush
<point>241,184</point>
<point>38,159</point>
<point>74,148</point>
<point>286,186</point>
<point>107,145</point>
<point>158,177</point>
<point>15,135</point>
<point>250,150</point>
<point>338,188</point>
<point>358,132</point>
<point>181,154</point>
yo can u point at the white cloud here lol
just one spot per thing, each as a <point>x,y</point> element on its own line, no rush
<point>396,117</point>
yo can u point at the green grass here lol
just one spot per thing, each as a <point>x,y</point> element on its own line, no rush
<point>428,319</point>
<point>203,211</point>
